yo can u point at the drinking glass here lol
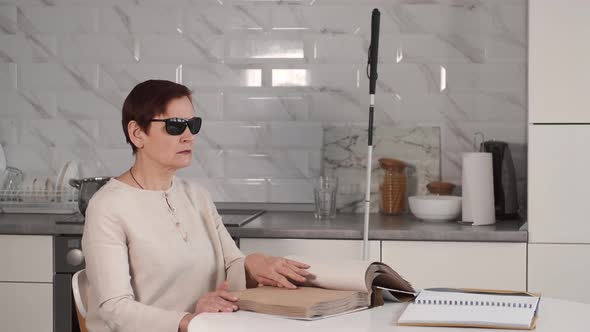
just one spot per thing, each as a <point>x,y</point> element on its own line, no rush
<point>325,190</point>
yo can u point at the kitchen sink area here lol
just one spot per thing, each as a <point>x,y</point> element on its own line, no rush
<point>238,217</point>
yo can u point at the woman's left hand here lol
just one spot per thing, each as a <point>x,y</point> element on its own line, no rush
<point>275,271</point>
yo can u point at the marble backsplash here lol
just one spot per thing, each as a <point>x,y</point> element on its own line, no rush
<point>345,156</point>
<point>267,77</point>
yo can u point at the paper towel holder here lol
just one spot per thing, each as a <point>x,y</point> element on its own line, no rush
<point>477,147</point>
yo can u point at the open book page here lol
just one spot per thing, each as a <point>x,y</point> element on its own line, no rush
<point>383,276</point>
<point>336,274</point>
<point>470,309</point>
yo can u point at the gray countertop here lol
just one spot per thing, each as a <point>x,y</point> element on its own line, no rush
<point>350,226</point>
<point>37,224</point>
<point>284,224</point>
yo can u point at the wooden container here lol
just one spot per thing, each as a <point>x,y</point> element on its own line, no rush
<point>440,188</point>
<point>393,189</point>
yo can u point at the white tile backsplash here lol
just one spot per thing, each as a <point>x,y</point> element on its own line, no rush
<point>243,135</point>
<point>27,105</point>
<point>264,48</point>
<point>296,135</point>
<point>135,18</point>
<point>58,19</point>
<point>212,18</point>
<point>57,76</point>
<point>260,164</point>
<point>31,49</point>
<point>110,133</point>
<point>112,161</point>
<point>486,77</point>
<point>206,164</point>
<point>209,106</point>
<point>260,107</point>
<point>8,15</point>
<point>97,48</point>
<point>34,160</point>
<point>267,76</point>
<point>179,48</point>
<point>59,133</point>
<point>9,131</point>
<point>221,75</point>
<point>291,190</point>
<point>317,76</point>
<point>121,77</point>
<point>8,77</point>
<point>90,105</point>
<point>244,190</point>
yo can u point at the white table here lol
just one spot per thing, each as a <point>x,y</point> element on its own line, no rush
<point>554,315</point>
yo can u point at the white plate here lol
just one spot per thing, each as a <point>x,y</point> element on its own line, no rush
<point>2,160</point>
<point>71,172</point>
<point>28,188</point>
<point>60,177</point>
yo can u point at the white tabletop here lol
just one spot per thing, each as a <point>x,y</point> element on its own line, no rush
<point>554,315</point>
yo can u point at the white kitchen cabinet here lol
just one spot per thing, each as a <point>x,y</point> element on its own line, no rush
<point>559,61</point>
<point>560,271</point>
<point>26,258</point>
<point>559,184</point>
<point>338,249</point>
<point>427,264</point>
<point>26,307</point>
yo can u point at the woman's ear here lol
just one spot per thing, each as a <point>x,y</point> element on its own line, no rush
<point>136,134</point>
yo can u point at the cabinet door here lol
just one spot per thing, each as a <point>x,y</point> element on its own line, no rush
<point>342,249</point>
<point>559,61</point>
<point>26,307</point>
<point>559,184</point>
<point>26,258</point>
<point>560,271</point>
<point>491,265</point>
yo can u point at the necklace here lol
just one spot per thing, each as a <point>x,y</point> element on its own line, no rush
<point>134,179</point>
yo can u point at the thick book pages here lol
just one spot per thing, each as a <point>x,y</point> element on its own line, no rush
<point>334,286</point>
<point>471,309</point>
<point>302,303</point>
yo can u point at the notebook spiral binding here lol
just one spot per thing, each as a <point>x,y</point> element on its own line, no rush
<point>474,303</point>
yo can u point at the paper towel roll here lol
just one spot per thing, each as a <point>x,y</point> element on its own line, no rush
<point>478,188</point>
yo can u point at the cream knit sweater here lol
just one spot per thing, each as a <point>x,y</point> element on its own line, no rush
<point>150,255</point>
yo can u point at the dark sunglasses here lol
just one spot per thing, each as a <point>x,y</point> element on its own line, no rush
<point>177,126</point>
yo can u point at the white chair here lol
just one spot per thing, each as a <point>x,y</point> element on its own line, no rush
<point>79,284</point>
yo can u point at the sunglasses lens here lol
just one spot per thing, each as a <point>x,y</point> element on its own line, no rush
<point>175,128</point>
<point>194,125</point>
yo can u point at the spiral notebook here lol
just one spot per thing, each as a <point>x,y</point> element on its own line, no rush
<point>484,309</point>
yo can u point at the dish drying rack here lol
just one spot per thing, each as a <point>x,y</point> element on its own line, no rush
<point>39,201</point>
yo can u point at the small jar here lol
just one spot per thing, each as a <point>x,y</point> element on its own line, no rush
<point>394,186</point>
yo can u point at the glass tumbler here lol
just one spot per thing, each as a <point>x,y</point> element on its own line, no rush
<point>325,190</point>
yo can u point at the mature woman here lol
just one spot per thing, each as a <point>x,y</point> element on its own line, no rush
<point>157,253</point>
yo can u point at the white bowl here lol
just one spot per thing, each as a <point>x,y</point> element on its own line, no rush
<point>435,207</point>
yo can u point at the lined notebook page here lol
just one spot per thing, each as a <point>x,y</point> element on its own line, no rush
<point>466,309</point>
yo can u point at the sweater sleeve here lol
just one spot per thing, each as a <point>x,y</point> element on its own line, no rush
<point>107,266</point>
<point>234,259</point>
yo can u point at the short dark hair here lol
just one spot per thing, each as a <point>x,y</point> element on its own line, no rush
<point>148,100</point>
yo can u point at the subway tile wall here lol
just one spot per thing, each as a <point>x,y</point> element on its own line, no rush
<point>267,75</point>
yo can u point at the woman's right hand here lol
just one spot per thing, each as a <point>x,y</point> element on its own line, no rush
<point>218,301</point>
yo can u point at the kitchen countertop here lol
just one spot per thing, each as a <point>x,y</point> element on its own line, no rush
<point>303,225</point>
